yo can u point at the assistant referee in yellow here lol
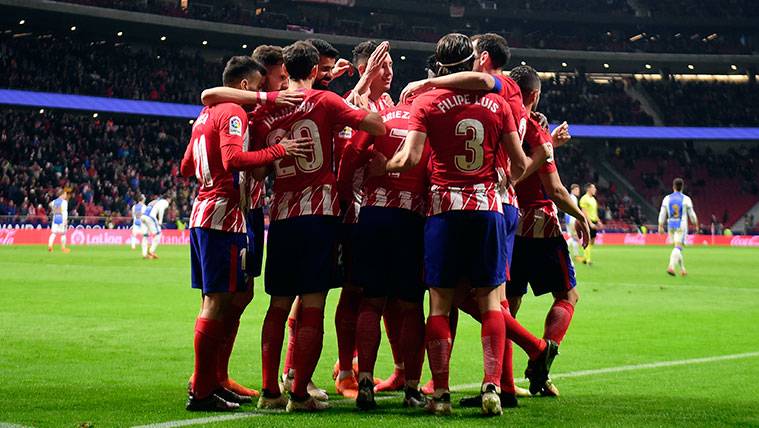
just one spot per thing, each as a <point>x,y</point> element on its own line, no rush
<point>589,206</point>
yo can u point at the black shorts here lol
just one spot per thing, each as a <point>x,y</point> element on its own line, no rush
<point>593,231</point>
<point>543,263</point>
<point>389,253</point>
<point>254,223</point>
<point>346,236</point>
<point>301,255</point>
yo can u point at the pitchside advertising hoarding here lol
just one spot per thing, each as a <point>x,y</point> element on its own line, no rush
<point>99,236</point>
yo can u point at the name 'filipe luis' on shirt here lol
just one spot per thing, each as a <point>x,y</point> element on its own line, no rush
<point>461,99</point>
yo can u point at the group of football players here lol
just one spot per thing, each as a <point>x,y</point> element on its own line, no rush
<point>453,189</point>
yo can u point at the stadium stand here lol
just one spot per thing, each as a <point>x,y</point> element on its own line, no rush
<point>106,161</point>
<point>427,21</point>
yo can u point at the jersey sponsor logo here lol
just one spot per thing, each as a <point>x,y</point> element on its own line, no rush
<point>235,126</point>
<point>346,133</point>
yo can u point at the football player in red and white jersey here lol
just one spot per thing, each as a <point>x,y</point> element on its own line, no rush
<point>541,256</point>
<point>374,63</point>
<point>465,233</point>
<point>388,255</point>
<point>217,232</point>
<point>302,241</point>
<point>491,54</point>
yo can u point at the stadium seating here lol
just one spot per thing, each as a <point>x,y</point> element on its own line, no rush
<point>427,21</point>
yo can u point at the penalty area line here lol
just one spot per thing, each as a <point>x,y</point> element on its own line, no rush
<point>578,373</point>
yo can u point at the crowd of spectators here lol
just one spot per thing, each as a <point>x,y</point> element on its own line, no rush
<point>704,104</point>
<point>579,100</point>
<point>74,65</point>
<point>379,22</point>
<point>104,162</point>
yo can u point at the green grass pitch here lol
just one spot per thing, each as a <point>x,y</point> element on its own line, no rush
<point>102,337</point>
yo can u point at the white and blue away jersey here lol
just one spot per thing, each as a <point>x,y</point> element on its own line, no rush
<point>155,209</point>
<point>60,211</point>
<point>676,210</point>
<point>137,211</point>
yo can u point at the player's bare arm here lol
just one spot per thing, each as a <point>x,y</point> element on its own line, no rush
<point>560,196</point>
<point>466,80</point>
<point>341,67</point>
<point>410,155</point>
<point>372,124</point>
<point>538,157</point>
<point>223,94</point>
<point>187,166</point>
<point>519,160</point>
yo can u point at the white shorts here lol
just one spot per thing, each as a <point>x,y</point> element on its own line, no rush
<point>139,229</point>
<point>59,229</point>
<point>677,236</point>
<point>151,225</point>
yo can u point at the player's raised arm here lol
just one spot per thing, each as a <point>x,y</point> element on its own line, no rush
<point>224,94</point>
<point>466,80</point>
<point>373,67</point>
<point>560,196</point>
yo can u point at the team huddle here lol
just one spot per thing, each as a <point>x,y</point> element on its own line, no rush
<point>453,190</point>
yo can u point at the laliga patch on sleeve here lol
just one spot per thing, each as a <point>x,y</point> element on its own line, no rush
<point>235,126</point>
<point>346,133</point>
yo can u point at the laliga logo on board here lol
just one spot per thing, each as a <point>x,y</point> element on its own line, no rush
<point>745,241</point>
<point>77,237</point>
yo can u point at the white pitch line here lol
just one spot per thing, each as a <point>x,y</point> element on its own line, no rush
<point>579,373</point>
<point>632,367</point>
<point>671,286</point>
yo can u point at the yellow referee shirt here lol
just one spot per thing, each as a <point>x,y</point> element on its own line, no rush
<point>589,205</point>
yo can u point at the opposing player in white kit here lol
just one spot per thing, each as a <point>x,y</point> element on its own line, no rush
<point>676,209</point>
<point>138,227</point>
<point>60,209</point>
<point>152,218</point>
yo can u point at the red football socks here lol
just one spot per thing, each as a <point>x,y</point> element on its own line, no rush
<point>507,371</point>
<point>231,325</point>
<point>346,316</point>
<point>308,347</point>
<point>412,342</point>
<point>272,336</point>
<point>393,317</point>
<point>209,336</point>
<point>557,320</point>
<point>532,345</point>
<point>493,336</point>
<point>438,339</point>
<point>368,333</point>
<point>292,327</point>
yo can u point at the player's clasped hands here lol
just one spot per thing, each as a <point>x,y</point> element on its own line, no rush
<point>298,147</point>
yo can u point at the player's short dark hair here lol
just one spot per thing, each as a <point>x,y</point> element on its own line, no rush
<point>574,186</point>
<point>526,77</point>
<point>363,50</point>
<point>240,67</point>
<point>454,53</point>
<point>587,186</point>
<point>325,48</point>
<point>300,58</point>
<point>496,47</point>
<point>268,55</point>
<point>678,184</point>
<point>431,64</point>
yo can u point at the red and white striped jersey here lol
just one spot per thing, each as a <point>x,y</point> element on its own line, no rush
<point>513,95</point>
<point>306,186</point>
<point>217,205</point>
<point>393,190</point>
<point>257,194</point>
<point>539,217</point>
<point>352,197</point>
<point>464,129</point>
